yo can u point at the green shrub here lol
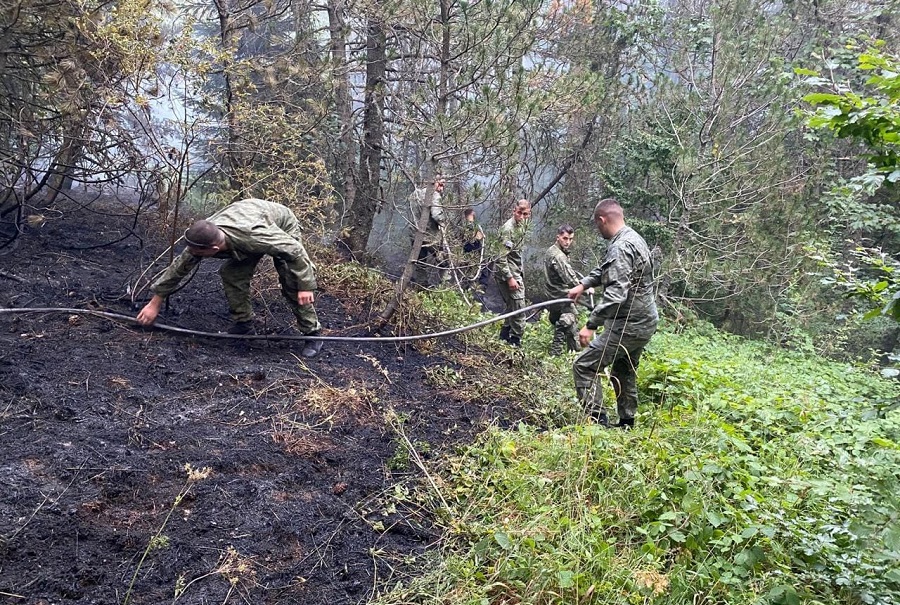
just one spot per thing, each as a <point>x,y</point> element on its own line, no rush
<point>754,476</point>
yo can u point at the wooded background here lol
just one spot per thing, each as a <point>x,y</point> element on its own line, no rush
<point>754,142</point>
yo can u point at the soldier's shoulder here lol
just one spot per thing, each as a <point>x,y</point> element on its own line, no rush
<point>635,239</point>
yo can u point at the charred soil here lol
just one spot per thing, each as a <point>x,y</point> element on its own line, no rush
<point>107,431</point>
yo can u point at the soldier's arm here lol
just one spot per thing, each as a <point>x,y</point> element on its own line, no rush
<point>502,265</point>
<point>614,279</point>
<point>172,276</point>
<point>568,275</point>
<point>549,269</point>
<point>283,246</point>
<point>437,210</point>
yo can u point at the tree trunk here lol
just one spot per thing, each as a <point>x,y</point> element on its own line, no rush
<point>344,178</point>
<point>421,226</point>
<point>228,41</point>
<point>431,171</point>
<point>367,196</point>
<point>64,165</point>
<point>567,164</point>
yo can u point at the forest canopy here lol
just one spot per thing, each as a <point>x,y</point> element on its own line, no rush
<point>754,143</point>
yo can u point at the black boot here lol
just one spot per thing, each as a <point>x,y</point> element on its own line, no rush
<point>556,345</point>
<point>625,424</point>
<point>242,328</point>
<point>504,333</point>
<point>311,348</point>
<point>515,341</point>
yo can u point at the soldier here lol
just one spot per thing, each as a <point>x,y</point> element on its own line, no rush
<point>508,271</point>
<point>560,278</point>
<point>243,233</point>
<point>473,250</point>
<point>472,232</point>
<point>627,311</point>
<point>433,241</point>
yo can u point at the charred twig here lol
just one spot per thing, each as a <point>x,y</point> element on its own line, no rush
<point>15,278</point>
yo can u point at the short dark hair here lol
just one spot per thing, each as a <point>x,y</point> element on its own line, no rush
<point>468,211</point>
<point>565,228</point>
<point>202,234</point>
<point>608,207</point>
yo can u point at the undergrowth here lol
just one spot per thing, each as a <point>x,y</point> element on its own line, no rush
<point>754,476</point>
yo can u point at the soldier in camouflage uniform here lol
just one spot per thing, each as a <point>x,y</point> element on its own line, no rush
<point>433,240</point>
<point>508,271</point>
<point>473,234</point>
<point>243,233</point>
<point>627,311</point>
<point>560,278</point>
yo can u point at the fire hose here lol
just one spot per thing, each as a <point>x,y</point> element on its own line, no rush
<point>410,338</point>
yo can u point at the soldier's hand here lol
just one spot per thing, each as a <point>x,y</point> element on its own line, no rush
<point>512,284</point>
<point>150,311</point>
<point>576,292</point>
<point>305,298</point>
<point>585,336</point>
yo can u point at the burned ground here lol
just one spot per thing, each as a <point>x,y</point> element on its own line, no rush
<point>107,429</point>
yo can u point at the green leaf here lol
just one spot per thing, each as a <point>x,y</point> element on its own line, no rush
<point>677,536</point>
<point>714,518</point>
<point>566,578</point>
<point>784,594</point>
<point>802,71</point>
<point>881,441</point>
<point>818,98</point>
<point>892,540</point>
<point>872,314</point>
<point>503,540</point>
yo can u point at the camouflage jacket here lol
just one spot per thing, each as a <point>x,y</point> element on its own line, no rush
<point>558,272</point>
<point>253,228</point>
<point>626,276</point>
<point>509,259</point>
<point>433,234</point>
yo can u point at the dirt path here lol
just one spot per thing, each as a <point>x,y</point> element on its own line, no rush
<point>99,420</point>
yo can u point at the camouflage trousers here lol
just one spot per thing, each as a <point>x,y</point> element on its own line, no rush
<point>564,318</point>
<point>437,257</point>
<point>621,352</point>
<point>514,301</point>
<point>236,276</point>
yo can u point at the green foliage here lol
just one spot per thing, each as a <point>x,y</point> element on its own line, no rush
<point>870,275</point>
<point>872,118</point>
<point>754,476</point>
<point>284,167</point>
<point>75,78</point>
<point>526,378</point>
<point>444,308</point>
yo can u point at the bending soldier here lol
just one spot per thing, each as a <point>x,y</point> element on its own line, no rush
<point>627,311</point>
<point>243,233</point>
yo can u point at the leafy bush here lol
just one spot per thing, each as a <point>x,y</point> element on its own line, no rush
<point>755,476</point>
